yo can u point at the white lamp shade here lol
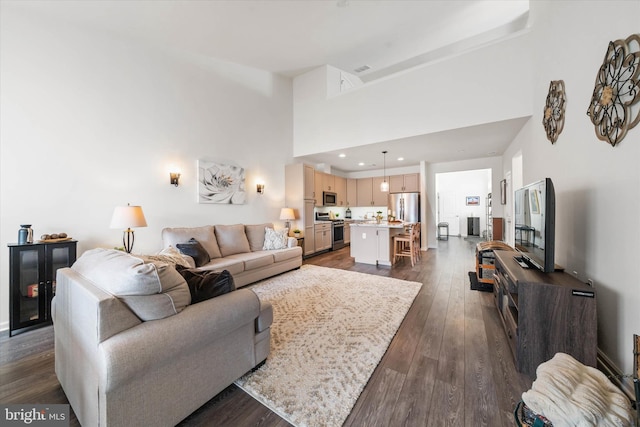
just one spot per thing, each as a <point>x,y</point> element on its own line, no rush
<point>287,214</point>
<point>128,217</point>
<point>384,186</point>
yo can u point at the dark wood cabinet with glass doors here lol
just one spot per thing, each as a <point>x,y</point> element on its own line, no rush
<point>32,282</point>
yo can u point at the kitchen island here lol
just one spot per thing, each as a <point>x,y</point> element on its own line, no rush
<point>372,242</point>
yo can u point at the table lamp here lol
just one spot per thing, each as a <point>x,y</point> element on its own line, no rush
<point>127,217</point>
<point>286,214</point>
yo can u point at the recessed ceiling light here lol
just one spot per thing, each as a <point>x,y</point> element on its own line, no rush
<point>361,164</point>
<point>400,159</point>
<point>342,155</point>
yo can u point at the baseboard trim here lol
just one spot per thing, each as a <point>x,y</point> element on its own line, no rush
<point>617,377</point>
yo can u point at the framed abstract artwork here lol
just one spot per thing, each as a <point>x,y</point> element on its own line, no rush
<point>221,183</point>
<point>473,200</point>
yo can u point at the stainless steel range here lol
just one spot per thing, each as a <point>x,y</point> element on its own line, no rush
<point>337,230</point>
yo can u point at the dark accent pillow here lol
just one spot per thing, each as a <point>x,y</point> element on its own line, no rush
<point>195,250</point>
<point>207,284</point>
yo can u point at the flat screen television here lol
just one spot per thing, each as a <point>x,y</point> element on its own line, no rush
<point>535,224</point>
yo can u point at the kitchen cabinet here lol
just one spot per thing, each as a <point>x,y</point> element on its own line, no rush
<point>352,192</point>
<point>373,243</point>
<point>299,195</point>
<point>328,182</point>
<point>365,192</point>
<point>317,187</point>
<point>324,182</point>
<point>369,194</point>
<point>380,198</point>
<point>309,182</point>
<point>323,236</point>
<point>347,233</point>
<point>408,183</point>
<point>32,281</point>
<point>309,228</point>
<point>340,184</point>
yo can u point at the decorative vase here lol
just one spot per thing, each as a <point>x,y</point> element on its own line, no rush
<point>25,235</point>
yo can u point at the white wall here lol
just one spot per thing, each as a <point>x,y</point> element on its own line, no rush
<point>91,121</point>
<point>597,186</point>
<point>473,88</point>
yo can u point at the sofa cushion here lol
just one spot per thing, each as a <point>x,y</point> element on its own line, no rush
<point>205,285</point>
<point>195,250</point>
<point>255,235</point>
<point>152,290</point>
<point>288,253</point>
<point>231,239</point>
<point>254,260</point>
<point>275,239</point>
<point>235,266</point>
<point>205,235</point>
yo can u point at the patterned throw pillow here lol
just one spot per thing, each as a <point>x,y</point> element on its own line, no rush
<point>275,239</point>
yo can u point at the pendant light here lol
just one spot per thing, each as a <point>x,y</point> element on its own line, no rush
<point>384,185</point>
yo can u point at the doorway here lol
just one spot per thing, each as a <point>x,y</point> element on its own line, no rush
<point>463,195</point>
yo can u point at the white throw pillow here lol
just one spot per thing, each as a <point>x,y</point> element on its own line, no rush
<point>275,239</point>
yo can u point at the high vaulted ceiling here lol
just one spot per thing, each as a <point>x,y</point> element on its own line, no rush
<point>291,37</point>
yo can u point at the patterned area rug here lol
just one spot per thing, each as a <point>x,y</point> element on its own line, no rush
<point>331,328</point>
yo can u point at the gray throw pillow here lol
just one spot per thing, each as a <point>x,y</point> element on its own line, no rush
<point>195,250</point>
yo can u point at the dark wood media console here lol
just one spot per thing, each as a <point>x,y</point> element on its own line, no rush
<point>544,313</point>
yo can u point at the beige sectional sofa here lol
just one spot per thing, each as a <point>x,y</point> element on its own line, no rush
<point>239,249</point>
<point>131,349</point>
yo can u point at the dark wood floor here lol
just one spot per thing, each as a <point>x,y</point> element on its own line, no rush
<point>448,365</point>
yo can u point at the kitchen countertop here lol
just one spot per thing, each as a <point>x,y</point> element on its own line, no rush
<point>375,224</point>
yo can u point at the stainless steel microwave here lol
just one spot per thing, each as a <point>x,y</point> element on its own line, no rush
<point>329,199</point>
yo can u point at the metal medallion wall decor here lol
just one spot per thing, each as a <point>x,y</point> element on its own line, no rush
<point>220,183</point>
<point>553,118</point>
<point>614,107</point>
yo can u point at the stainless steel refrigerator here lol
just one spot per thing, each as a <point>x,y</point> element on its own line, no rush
<point>405,206</point>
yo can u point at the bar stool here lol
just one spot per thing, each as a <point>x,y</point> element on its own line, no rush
<point>444,225</point>
<point>416,241</point>
<point>404,245</point>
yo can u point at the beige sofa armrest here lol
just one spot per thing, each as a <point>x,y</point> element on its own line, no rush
<point>264,321</point>
<point>130,353</point>
<point>292,242</point>
<point>82,309</point>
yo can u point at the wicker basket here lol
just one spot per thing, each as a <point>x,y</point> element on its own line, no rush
<point>525,417</point>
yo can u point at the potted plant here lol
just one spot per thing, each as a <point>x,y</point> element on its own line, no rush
<point>296,233</point>
<point>379,217</point>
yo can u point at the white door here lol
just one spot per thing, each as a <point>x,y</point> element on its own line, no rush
<point>449,212</point>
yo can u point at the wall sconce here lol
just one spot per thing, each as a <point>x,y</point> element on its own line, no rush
<point>260,188</point>
<point>174,177</point>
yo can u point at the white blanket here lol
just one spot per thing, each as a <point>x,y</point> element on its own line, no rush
<point>569,393</point>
